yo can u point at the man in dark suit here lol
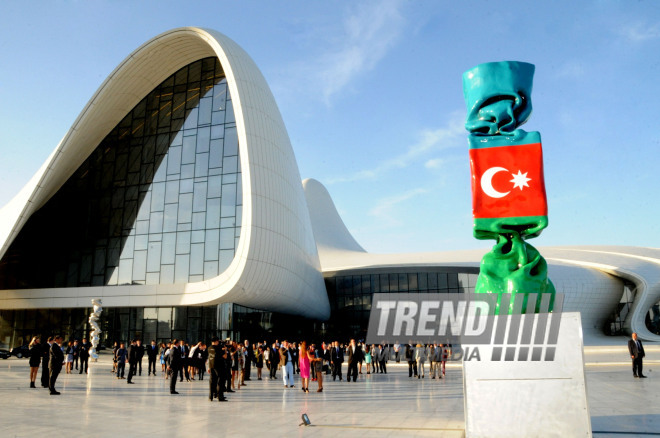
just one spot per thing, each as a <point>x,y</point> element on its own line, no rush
<point>139,354</point>
<point>132,361</point>
<point>45,356</point>
<point>55,362</point>
<point>84,355</point>
<point>354,356</point>
<point>175,359</point>
<point>249,358</point>
<point>636,350</point>
<point>273,361</point>
<point>152,354</point>
<point>76,352</point>
<point>217,356</point>
<point>337,354</point>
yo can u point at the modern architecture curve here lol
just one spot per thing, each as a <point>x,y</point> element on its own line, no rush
<point>175,198</point>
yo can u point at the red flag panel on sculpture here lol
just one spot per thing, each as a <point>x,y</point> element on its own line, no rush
<point>507,181</point>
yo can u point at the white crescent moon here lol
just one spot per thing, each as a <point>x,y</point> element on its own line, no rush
<point>487,182</point>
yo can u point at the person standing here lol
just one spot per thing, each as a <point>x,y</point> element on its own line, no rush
<point>304,366</point>
<point>412,363</point>
<point>55,362</point>
<point>383,356</point>
<point>152,355</point>
<point>84,355</point>
<point>397,349</point>
<point>433,362</point>
<point>76,352</point>
<point>139,354</point>
<point>420,358</point>
<point>216,368</point>
<point>337,355</point>
<point>249,359</point>
<point>69,357</point>
<point>175,364</point>
<point>120,360</point>
<point>274,361</point>
<point>35,359</point>
<point>286,361</point>
<point>637,354</point>
<point>316,362</point>
<point>354,356</point>
<point>132,361</point>
<point>259,361</point>
<point>45,356</point>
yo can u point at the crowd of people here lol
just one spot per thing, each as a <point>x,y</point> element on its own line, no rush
<point>229,364</point>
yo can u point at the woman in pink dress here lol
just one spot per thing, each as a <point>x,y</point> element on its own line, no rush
<point>304,364</point>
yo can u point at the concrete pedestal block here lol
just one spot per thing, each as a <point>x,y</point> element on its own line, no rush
<point>523,393</point>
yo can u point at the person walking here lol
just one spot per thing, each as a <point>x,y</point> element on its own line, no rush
<point>637,354</point>
<point>216,368</point>
<point>35,359</point>
<point>412,363</point>
<point>55,362</point>
<point>139,354</point>
<point>383,356</point>
<point>76,353</point>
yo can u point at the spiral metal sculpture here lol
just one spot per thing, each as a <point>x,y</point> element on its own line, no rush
<point>94,319</point>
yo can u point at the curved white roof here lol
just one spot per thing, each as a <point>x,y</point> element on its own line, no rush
<point>276,265</point>
<point>588,276</point>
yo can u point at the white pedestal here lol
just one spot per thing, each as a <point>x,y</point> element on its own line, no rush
<point>529,398</point>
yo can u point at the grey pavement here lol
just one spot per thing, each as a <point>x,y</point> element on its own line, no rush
<point>99,405</point>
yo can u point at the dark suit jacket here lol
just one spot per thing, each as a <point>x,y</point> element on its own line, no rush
<point>176,361</point>
<point>45,353</point>
<point>635,351</point>
<point>132,354</point>
<point>84,350</point>
<point>354,357</point>
<point>152,352</point>
<point>216,361</point>
<point>337,354</point>
<point>56,357</point>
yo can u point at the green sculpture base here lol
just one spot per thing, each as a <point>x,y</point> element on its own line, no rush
<point>516,267</point>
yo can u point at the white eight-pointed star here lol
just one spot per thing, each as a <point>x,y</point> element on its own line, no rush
<point>520,180</point>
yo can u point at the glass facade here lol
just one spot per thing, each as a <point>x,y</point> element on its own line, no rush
<point>350,293</point>
<point>159,201</point>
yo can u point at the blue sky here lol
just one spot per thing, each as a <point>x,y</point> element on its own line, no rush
<point>372,98</point>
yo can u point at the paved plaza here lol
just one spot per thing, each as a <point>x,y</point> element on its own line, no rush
<point>379,405</point>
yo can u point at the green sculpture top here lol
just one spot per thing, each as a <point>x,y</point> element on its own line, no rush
<point>498,97</point>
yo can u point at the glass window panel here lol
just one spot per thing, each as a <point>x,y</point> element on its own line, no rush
<point>199,199</point>
<point>403,282</point>
<point>433,280</point>
<point>167,274</point>
<point>211,247</point>
<point>217,131</point>
<point>230,164</point>
<point>168,248</point>
<point>181,268</point>
<point>228,200</point>
<point>185,207</point>
<point>197,259</point>
<point>174,160</point>
<point>197,236</point>
<point>210,270</point>
<point>226,257</point>
<point>219,96</point>
<point>198,220</point>
<point>215,153</point>
<point>213,213</point>
<point>187,170</point>
<point>183,242</point>
<point>227,222</point>
<point>384,283</point>
<point>214,189</point>
<point>452,281</point>
<point>202,165</point>
<point>218,117</point>
<point>170,218</point>
<point>125,271</point>
<point>394,283</point>
<point>129,247</point>
<point>186,186</point>
<point>423,285</point>
<point>172,192</point>
<point>141,242</point>
<point>188,151</point>
<point>191,120</point>
<point>442,280</point>
<point>139,265</point>
<point>205,111</point>
<point>229,117</point>
<point>412,282</point>
<point>231,142</point>
<point>227,238</point>
<point>153,256</point>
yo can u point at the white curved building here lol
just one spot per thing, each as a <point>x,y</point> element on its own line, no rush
<point>175,198</point>
<point>274,263</point>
